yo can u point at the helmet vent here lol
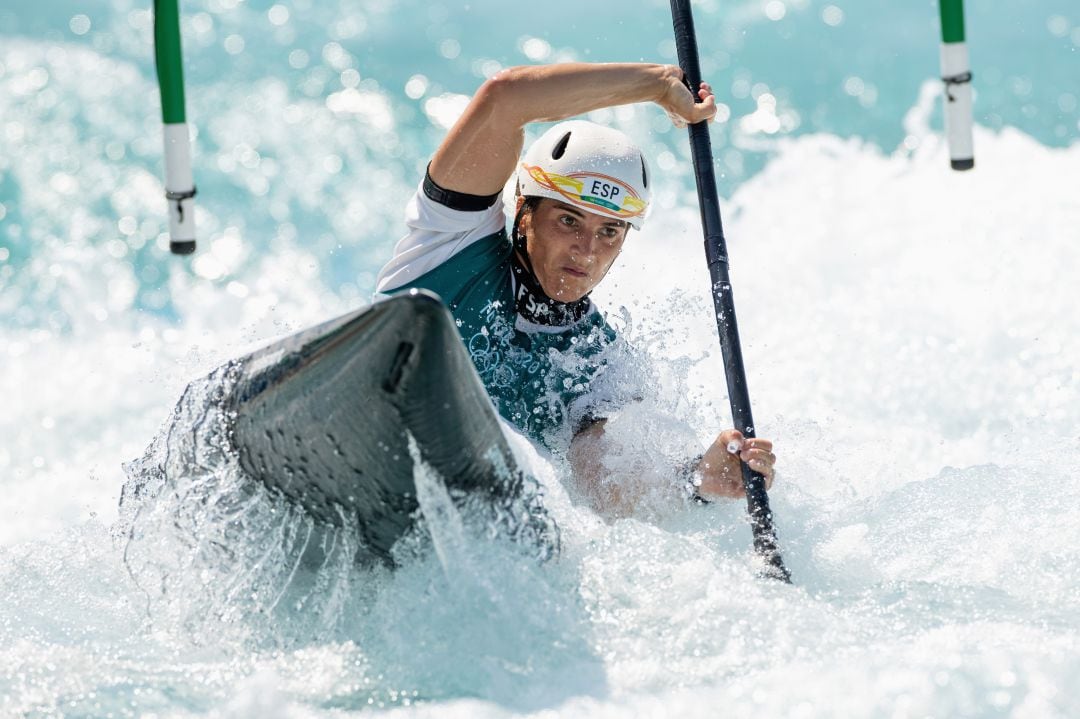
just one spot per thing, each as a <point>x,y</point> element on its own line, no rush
<point>644,173</point>
<point>560,147</point>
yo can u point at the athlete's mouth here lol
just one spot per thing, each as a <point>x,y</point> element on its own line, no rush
<point>574,271</point>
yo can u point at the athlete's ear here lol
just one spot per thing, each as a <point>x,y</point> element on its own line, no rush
<point>519,202</point>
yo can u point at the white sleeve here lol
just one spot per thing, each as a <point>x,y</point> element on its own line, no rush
<point>436,233</point>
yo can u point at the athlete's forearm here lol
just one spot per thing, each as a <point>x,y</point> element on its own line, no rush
<point>591,478</point>
<point>481,150</point>
<point>555,92</point>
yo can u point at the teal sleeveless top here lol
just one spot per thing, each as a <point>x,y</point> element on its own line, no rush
<point>538,379</point>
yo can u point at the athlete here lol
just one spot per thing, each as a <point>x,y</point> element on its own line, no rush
<point>521,301</point>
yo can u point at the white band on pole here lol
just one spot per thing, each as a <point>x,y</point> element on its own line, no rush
<point>179,183</point>
<point>956,72</point>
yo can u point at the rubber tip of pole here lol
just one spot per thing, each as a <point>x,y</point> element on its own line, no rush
<point>182,247</point>
<point>963,164</point>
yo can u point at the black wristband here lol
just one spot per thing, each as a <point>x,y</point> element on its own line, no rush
<point>684,473</point>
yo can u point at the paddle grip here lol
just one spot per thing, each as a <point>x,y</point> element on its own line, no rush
<point>686,43</point>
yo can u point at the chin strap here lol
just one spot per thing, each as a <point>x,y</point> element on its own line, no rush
<point>530,300</point>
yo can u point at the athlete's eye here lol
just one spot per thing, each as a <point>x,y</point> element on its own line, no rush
<point>568,220</point>
<point>610,234</point>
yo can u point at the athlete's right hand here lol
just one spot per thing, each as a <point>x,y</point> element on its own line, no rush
<point>721,465</point>
<point>679,104</point>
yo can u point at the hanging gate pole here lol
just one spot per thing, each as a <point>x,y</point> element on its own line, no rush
<point>179,181</point>
<point>956,74</point>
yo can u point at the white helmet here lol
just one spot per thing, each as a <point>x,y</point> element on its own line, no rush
<point>589,166</point>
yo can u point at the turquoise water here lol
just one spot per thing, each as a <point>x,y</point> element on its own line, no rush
<point>910,335</point>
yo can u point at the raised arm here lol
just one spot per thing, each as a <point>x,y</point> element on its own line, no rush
<point>481,151</point>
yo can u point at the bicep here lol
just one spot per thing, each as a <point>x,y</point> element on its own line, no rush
<point>481,151</point>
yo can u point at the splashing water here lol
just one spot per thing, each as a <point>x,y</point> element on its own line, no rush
<point>211,549</point>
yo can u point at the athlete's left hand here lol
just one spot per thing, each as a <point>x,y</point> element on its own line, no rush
<point>721,469</point>
<point>678,101</point>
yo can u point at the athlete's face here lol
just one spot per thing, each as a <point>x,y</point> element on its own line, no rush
<point>571,250</point>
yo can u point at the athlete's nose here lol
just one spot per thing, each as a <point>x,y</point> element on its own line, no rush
<point>585,243</point>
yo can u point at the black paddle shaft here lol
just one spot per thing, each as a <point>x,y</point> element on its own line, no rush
<point>757,500</point>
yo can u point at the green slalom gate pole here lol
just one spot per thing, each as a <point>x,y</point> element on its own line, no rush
<point>179,181</point>
<point>956,74</point>
<point>757,500</point>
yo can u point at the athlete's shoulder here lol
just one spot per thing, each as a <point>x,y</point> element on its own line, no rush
<point>443,224</point>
